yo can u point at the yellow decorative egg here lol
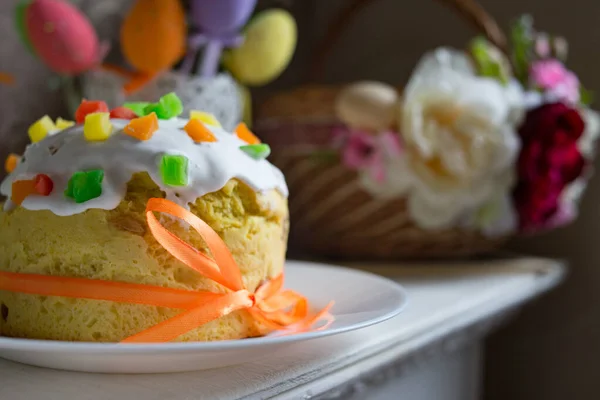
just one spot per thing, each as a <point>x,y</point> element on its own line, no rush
<point>270,42</point>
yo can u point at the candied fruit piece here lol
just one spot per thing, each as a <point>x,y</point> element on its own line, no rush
<point>245,134</point>
<point>11,162</point>
<point>122,113</point>
<point>199,132</point>
<point>137,107</point>
<point>142,128</point>
<point>88,107</point>
<point>63,123</point>
<point>43,184</point>
<point>156,109</point>
<point>172,105</point>
<point>257,151</point>
<point>97,127</point>
<point>205,117</point>
<point>85,185</point>
<point>22,189</point>
<point>169,106</point>
<point>174,170</point>
<point>40,129</point>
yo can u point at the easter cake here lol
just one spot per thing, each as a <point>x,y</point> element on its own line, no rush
<point>76,208</point>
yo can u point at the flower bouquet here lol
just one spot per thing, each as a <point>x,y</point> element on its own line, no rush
<point>481,145</point>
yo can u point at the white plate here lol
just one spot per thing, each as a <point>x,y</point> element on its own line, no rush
<point>361,299</point>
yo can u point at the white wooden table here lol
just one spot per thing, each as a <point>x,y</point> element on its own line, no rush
<point>430,351</point>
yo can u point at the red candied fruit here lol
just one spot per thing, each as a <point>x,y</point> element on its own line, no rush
<point>122,113</point>
<point>43,184</point>
<point>88,107</point>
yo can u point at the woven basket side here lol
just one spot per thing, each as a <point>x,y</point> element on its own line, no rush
<point>333,216</point>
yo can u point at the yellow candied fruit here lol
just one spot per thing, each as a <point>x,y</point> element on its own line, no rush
<point>40,129</point>
<point>63,123</point>
<point>97,127</point>
<point>206,118</point>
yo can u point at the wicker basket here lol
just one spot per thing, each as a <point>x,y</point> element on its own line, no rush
<point>349,222</point>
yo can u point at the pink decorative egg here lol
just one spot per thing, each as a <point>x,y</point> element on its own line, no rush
<point>62,36</point>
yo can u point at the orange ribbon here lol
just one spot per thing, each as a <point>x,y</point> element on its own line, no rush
<point>273,307</point>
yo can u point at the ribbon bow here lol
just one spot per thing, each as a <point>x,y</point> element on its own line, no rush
<point>275,309</point>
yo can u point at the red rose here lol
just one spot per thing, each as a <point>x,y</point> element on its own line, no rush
<point>548,162</point>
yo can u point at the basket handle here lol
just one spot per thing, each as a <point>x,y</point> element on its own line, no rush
<point>469,10</point>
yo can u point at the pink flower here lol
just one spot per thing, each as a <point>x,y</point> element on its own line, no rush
<point>553,77</point>
<point>542,46</point>
<point>363,151</point>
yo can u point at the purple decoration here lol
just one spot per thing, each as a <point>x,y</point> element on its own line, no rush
<point>221,16</point>
<point>219,23</point>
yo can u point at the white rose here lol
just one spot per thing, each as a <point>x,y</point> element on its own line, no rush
<point>587,142</point>
<point>460,138</point>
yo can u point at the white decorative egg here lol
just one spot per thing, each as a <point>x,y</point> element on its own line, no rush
<point>368,105</point>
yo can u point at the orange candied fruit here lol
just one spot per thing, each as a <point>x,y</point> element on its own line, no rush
<point>88,107</point>
<point>245,134</point>
<point>22,189</point>
<point>11,162</point>
<point>142,128</point>
<point>199,132</point>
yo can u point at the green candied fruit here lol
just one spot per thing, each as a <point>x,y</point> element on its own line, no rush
<point>257,151</point>
<point>169,106</point>
<point>137,107</point>
<point>85,185</point>
<point>155,108</point>
<point>174,170</point>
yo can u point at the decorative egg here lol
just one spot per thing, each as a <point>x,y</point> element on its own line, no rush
<point>61,36</point>
<point>153,35</point>
<point>223,16</point>
<point>269,44</point>
<point>371,106</point>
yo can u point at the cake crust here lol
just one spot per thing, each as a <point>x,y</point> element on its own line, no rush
<point>117,245</point>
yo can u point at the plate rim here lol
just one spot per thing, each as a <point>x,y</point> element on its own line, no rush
<point>40,345</point>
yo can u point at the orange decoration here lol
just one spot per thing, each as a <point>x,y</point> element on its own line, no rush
<point>199,132</point>
<point>22,189</point>
<point>137,82</point>
<point>245,134</point>
<point>142,128</point>
<point>11,162</point>
<point>270,305</point>
<point>7,79</point>
<point>153,35</point>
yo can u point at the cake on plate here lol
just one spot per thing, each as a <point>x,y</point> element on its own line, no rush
<point>76,204</point>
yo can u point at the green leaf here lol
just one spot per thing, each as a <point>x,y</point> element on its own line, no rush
<point>586,97</point>
<point>489,61</point>
<point>21,26</point>
<point>522,37</point>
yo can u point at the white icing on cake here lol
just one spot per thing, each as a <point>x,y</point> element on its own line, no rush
<point>211,165</point>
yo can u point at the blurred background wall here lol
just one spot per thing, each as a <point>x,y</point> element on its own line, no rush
<point>550,351</point>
